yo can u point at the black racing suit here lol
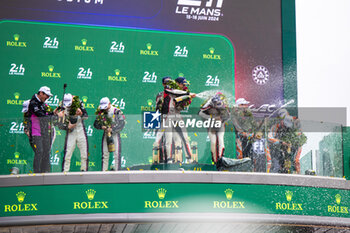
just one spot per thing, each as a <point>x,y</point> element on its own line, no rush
<point>171,113</point>
<point>41,131</point>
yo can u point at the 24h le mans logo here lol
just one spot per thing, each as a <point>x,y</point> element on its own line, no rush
<point>260,75</point>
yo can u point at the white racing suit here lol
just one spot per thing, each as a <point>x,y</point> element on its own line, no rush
<point>170,115</point>
<point>118,123</point>
<point>216,134</point>
<point>76,137</point>
<point>244,123</point>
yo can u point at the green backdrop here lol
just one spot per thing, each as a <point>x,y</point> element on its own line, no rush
<point>125,65</point>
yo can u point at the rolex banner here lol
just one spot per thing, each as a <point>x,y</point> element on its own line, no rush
<point>125,65</point>
<point>173,198</point>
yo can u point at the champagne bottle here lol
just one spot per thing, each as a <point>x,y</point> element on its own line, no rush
<point>182,98</point>
<point>194,150</point>
<point>110,142</point>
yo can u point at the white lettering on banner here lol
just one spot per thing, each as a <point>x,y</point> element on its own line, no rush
<point>16,128</point>
<point>209,123</point>
<point>117,47</point>
<point>89,131</point>
<point>84,74</point>
<point>149,134</point>
<point>16,70</point>
<point>212,81</point>
<point>149,77</point>
<point>265,108</point>
<point>209,3</point>
<point>54,159</point>
<point>180,52</point>
<point>52,44</point>
<point>118,103</point>
<point>53,101</point>
<point>193,9</point>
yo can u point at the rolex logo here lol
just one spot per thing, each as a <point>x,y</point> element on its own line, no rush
<point>84,41</point>
<point>51,67</point>
<point>20,196</point>
<point>161,204</point>
<point>337,208</point>
<point>21,207</point>
<point>149,102</point>
<point>84,98</point>
<point>229,193</point>
<point>83,46</point>
<point>16,42</point>
<point>289,195</point>
<point>211,50</point>
<point>181,75</point>
<point>90,193</point>
<point>117,72</point>
<point>16,94</point>
<point>17,155</point>
<point>148,51</point>
<point>338,198</point>
<point>212,55</point>
<point>229,203</point>
<point>161,193</point>
<point>149,46</point>
<point>16,37</point>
